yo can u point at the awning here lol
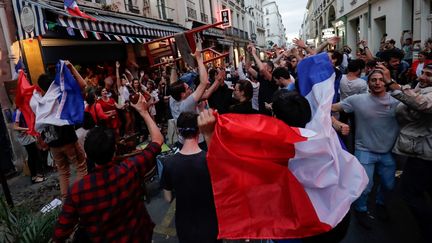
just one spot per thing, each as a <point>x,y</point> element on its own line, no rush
<point>120,27</point>
<point>29,19</point>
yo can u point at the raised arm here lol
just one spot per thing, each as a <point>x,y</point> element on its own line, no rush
<point>369,54</point>
<point>240,71</point>
<point>206,124</point>
<point>81,82</point>
<point>220,78</point>
<point>199,91</point>
<point>300,43</point>
<point>263,71</point>
<point>119,84</point>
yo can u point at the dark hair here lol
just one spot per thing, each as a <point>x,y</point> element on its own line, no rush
<point>44,82</point>
<point>88,122</point>
<point>356,65</point>
<point>337,56</point>
<point>176,89</point>
<point>424,53</point>
<point>371,63</point>
<point>391,41</point>
<point>281,72</point>
<point>246,87</point>
<point>212,74</point>
<point>187,124</point>
<point>90,97</point>
<point>99,145</point>
<point>270,64</point>
<point>291,108</point>
<point>393,53</point>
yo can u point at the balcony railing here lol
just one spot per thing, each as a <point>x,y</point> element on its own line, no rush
<point>204,17</point>
<point>192,13</point>
<point>133,9</point>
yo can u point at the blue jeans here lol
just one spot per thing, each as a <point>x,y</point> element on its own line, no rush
<point>386,168</point>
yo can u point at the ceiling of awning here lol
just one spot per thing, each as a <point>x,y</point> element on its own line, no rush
<point>121,26</point>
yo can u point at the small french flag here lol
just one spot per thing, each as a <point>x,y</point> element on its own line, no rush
<point>72,8</point>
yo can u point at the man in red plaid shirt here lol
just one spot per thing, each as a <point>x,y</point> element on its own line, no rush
<point>108,204</point>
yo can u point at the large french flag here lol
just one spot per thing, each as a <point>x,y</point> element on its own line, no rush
<point>332,177</point>
<point>72,8</point>
<point>272,181</point>
<point>62,104</point>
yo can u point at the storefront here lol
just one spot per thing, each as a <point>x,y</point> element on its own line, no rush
<point>47,33</point>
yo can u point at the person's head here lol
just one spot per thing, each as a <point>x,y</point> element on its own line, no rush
<point>291,108</point>
<point>376,83</point>
<point>282,76</point>
<point>428,44</point>
<point>136,84</point>
<point>91,97</point>
<point>356,66</point>
<point>100,145</point>
<point>187,125</point>
<point>269,66</point>
<point>370,66</point>
<point>180,90</point>
<point>212,74</point>
<point>336,57</point>
<point>425,79</point>
<point>293,61</point>
<point>44,82</point>
<point>347,49</point>
<point>150,86</point>
<point>422,56</point>
<point>104,92</point>
<point>243,91</point>
<point>392,58</point>
<point>124,81</point>
<point>408,41</point>
<point>390,44</point>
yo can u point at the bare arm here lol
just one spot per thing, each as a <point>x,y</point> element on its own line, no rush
<point>16,127</point>
<point>337,107</point>
<point>263,71</point>
<point>216,84</point>
<point>369,54</point>
<point>199,91</point>
<point>118,75</point>
<point>173,76</point>
<point>81,82</point>
<point>242,75</point>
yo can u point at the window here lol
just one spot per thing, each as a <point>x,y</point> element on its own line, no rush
<point>267,11</point>
<point>268,32</point>
<point>267,21</point>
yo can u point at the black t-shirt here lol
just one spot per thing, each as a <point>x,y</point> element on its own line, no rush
<point>195,217</point>
<point>265,94</point>
<point>62,135</point>
<point>243,108</point>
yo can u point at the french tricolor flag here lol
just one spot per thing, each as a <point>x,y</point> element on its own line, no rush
<point>72,8</point>
<point>62,104</point>
<point>272,181</point>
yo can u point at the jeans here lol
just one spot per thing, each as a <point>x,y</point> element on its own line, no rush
<point>415,184</point>
<point>386,168</point>
<point>63,157</point>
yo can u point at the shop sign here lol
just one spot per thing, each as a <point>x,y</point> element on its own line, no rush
<point>226,18</point>
<point>27,19</point>
<point>214,32</point>
<point>328,33</point>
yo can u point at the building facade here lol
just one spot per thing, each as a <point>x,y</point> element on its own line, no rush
<point>355,20</point>
<point>275,30</point>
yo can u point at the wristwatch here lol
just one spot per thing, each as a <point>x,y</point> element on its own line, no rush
<point>388,83</point>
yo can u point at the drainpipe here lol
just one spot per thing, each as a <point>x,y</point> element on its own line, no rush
<point>5,26</point>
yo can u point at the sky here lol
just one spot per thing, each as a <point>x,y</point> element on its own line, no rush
<point>292,12</point>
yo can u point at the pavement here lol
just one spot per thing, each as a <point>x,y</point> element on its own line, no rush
<point>400,228</point>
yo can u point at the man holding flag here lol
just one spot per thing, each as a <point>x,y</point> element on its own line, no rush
<point>58,108</point>
<point>310,180</point>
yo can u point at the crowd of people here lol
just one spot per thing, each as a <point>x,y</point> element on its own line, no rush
<point>381,107</point>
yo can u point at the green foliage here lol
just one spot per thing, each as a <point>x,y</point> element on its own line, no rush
<point>18,225</point>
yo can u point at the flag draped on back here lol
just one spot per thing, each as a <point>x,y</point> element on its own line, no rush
<point>22,101</point>
<point>332,177</point>
<point>72,8</point>
<point>62,104</point>
<point>256,196</point>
